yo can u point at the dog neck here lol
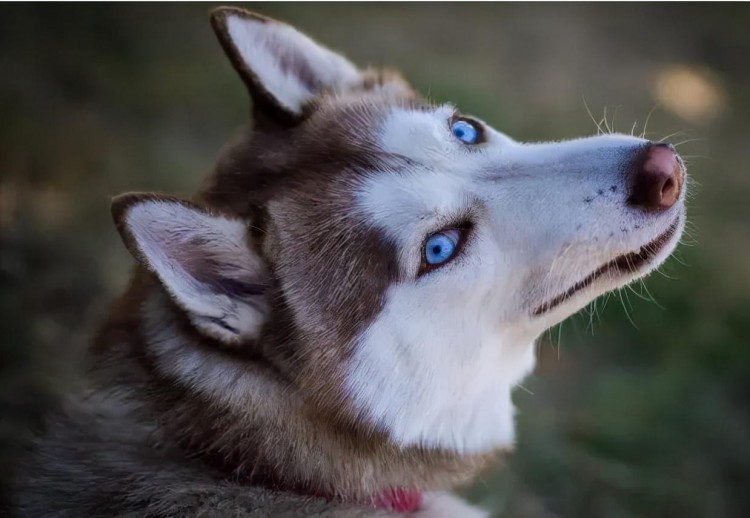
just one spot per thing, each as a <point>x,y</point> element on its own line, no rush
<point>243,417</point>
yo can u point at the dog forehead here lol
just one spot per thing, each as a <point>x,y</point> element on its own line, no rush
<point>398,152</point>
<point>405,129</point>
<point>422,135</point>
<point>413,201</point>
<point>430,187</point>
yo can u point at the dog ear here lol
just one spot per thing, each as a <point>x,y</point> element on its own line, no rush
<point>283,68</point>
<point>204,261</point>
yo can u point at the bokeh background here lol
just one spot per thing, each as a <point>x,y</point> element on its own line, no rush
<point>640,407</point>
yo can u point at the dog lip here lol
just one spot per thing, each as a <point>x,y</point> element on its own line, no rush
<point>623,264</point>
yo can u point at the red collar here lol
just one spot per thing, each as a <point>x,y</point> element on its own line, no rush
<point>399,500</point>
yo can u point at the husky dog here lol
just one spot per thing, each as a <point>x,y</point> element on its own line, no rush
<point>335,323</point>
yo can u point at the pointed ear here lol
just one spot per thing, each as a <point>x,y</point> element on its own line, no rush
<point>283,68</point>
<point>204,261</point>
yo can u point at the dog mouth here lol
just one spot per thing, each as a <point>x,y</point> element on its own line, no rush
<point>625,264</point>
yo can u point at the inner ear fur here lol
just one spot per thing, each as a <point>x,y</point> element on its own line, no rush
<point>282,68</point>
<point>204,261</point>
<point>263,100</point>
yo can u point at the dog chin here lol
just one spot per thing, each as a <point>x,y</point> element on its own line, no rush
<point>613,274</point>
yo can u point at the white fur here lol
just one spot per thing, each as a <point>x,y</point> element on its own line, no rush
<point>174,240</point>
<point>446,505</point>
<point>438,365</point>
<point>262,44</point>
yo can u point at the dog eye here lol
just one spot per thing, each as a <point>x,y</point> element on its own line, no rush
<point>466,131</point>
<point>441,247</point>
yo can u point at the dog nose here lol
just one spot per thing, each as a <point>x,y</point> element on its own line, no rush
<point>656,178</point>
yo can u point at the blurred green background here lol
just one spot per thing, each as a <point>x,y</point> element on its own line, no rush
<point>639,408</point>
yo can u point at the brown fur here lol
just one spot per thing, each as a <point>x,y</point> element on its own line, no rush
<point>136,439</point>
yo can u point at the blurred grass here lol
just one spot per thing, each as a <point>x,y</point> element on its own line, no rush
<point>637,414</point>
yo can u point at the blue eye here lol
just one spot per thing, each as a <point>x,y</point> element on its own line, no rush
<point>441,246</point>
<point>465,131</point>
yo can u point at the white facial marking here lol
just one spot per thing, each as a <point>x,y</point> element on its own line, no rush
<point>421,135</point>
<point>440,384</point>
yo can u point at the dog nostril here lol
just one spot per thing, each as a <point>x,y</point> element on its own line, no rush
<point>668,190</point>
<point>656,178</point>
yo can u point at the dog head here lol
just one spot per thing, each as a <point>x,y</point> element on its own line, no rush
<point>396,259</point>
